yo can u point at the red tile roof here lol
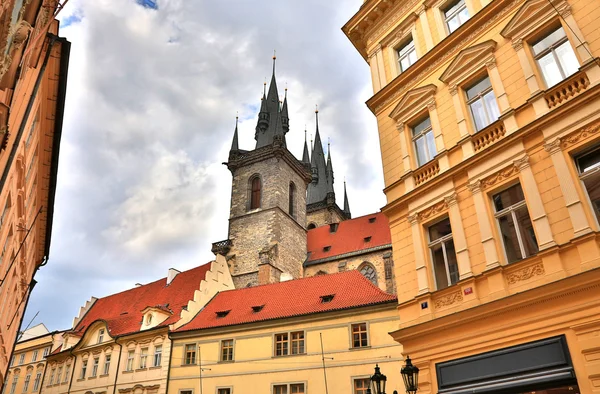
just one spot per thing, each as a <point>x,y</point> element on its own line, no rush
<point>349,237</point>
<point>57,350</point>
<point>287,299</point>
<point>123,311</point>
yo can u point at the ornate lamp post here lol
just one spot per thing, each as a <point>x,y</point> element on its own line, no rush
<point>410,375</point>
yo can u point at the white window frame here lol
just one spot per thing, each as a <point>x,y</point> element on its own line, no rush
<point>36,382</point>
<point>67,373</point>
<point>288,386</point>
<point>455,14</point>
<point>157,357</point>
<point>59,374</point>
<point>52,373</point>
<point>143,358</point>
<point>26,383</point>
<point>101,335</point>
<point>423,134</point>
<point>404,50</point>
<point>13,386</point>
<point>106,368</point>
<point>95,365</point>
<point>590,172</point>
<point>130,359</point>
<point>441,241</point>
<point>21,358</point>
<point>479,97</point>
<point>552,50</point>
<point>289,343</point>
<point>34,356</point>
<point>46,352</point>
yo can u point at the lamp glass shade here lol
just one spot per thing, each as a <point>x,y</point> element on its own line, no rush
<point>410,375</point>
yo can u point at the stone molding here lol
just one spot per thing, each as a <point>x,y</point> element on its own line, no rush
<point>525,273</point>
<point>448,299</point>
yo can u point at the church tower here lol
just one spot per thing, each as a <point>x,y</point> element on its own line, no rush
<point>267,221</point>
<point>321,207</point>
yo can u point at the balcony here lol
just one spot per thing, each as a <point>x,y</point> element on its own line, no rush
<point>221,247</point>
<point>426,172</point>
<point>489,135</point>
<point>567,89</point>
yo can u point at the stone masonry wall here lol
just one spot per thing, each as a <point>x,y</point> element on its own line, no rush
<point>323,216</point>
<point>258,230</point>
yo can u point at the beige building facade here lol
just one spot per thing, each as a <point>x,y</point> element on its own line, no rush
<point>33,77</point>
<point>489,117</point>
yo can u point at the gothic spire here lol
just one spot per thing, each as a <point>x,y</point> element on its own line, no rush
<point>234,143</point>
<point>305,157</point>
<point>285,120</point>
<point>266,131</point>
<point>329,170</point>
<point>346,205</point>
<point>317,189</point>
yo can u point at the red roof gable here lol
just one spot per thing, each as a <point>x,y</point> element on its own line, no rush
<point>287,299</point>
<point>123,311</point>
<point>349,237</point>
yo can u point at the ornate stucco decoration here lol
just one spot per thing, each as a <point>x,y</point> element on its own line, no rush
<point>525,273</point>
<point>468,60</point>
<point>443,57</point>
<point>139,387</point>
<point>433,210</point>
<point>501,175</point>
<point>532,15</point>
<point>579,135</point>
<point>448,299</point>
<point>414,101</point>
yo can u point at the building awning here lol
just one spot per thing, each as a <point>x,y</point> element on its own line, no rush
<point>527,366</point>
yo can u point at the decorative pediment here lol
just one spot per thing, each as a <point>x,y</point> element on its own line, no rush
<point>400,31</point>
<point>468,60</point>
<point>412,102</point>
<point>532,15</point>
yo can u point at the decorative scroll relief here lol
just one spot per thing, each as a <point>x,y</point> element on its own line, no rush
<point>525,273</point>
<point>500,176</point>
<point>433,210</point>
<point>448,299</point>
<point>580,135</point>
<point>443,58</point>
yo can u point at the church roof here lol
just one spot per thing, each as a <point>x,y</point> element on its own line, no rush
<point>318,188</point>
<point>292,298</point>
<point>122,312</point>
<point>351,236</point>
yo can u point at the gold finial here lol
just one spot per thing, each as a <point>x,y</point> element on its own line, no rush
<point>274,54</point>
<point>316,108</point>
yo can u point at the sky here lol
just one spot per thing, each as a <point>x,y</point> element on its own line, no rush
<point>151,103</point>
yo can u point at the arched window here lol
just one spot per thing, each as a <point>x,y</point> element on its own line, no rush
<point>321,272</point>
<point>369,272</point>
<point>255,191</point>
<point>311,226</point>
<point>292,202</point>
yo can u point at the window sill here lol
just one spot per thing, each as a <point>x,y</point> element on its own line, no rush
<point>104,375</point>
<point>141,369</point>
<point>128,371</point>
<point>189,365</point>
<point>80,379</point>
<point>92,377</point>
<point>290,355</point>
<point>360,348</point>
<point>226,362</point>
<point>155,367</point>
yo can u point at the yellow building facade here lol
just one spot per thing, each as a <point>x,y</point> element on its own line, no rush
<point>281,338</point>
<point>28,363</point>
<point>489,117</point>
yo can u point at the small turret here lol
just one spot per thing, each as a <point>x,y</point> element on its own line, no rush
<point>346,205</point>
<point>234,143</point>
<point>329,170</point>
<point>305,157</point>
<point>285,120</point>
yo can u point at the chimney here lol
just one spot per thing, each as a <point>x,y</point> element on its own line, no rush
<point>171,275</point>
<point>138,284</point>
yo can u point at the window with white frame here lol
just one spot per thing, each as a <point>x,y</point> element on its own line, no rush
<point>67,373</point>
<point>293,388</point>
<point>95,367</point>
<point>424,141</point>
<point>52,373</point>
<point>157,355</point>
<point>34,356</point>
<point>482,103</point>
<point>455,15</point>
<point>289,343</point>
<point>14,384</point>
<point>407,55</point>
<point>516,228</point>
<point>588,166</point>
<point>101,335</point>
<point>555,57</point>
<point>36,381</point>
<point>21,358</point>
<point>227,350</point>
<point>143,357</point>
<point>106,364</point>
<point>46,352</point>
<point>26,383</point>
<point>443,254</point>
<point>59,374</point>
<point>130,358</point>
<point>12,361</point>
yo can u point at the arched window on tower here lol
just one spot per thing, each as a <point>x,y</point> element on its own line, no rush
<point>292,202</point>
<point>311,226</point>
<point>255,192</point>
<point>369,272</point>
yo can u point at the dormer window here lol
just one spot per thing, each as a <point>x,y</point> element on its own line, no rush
<point>333,227</point>
<point>327,298</point>
<point>101,335</point>
<point>372,220</point>
<point>367,239</point>
<point>257,308</point>
<point>149,319</point>
<point>326,248</point>
<point>222,314</point>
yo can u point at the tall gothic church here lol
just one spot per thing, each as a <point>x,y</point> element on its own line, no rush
<point>284,221</point>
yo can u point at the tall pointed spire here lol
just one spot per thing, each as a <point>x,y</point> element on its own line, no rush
<point>270,110</point>
<point>305,156</point>
<point>329,169</point>
<point>285,120</point>
<point>234,143</point>
<point>317,189</point>
<point>346,205</point>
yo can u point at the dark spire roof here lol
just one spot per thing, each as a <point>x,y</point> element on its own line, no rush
<point>285,120</point>
<point>234,143</point>
<point>317,189</point>
<point>329,170</point>
<point>346,205</point>
<point>305,157</point>
<point>270,111</point>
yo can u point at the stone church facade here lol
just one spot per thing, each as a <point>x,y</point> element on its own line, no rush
<point>280,204</point>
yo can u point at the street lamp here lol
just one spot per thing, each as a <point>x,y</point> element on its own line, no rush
<point>378,381</point>
<point>410,374</point>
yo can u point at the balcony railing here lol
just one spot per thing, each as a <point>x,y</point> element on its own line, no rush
<point>567,89</point>
<point>426,172</point>
<point>490,134</point>
<point>221,247</point>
